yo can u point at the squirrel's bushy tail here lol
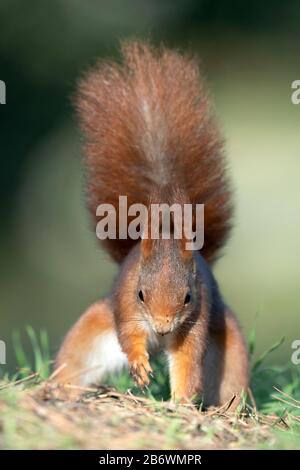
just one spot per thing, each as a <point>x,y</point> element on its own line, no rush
<point>147,125</point>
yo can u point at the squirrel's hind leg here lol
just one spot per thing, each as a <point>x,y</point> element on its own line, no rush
<point>226,369</point>
<point>91,349</point>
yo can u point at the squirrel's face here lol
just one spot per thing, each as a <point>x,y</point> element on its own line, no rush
<point>167,288</point>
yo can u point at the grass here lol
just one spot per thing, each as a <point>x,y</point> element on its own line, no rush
<point>35,414</point>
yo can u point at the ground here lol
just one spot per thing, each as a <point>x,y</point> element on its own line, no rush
<point>36,413</point>
<point>35,416</point>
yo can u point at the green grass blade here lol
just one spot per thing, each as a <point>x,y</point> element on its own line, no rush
<point>37,354</point>
<point>22,360</point>
<point>263,356</point>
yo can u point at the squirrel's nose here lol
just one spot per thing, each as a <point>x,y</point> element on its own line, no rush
<point>163,327</point>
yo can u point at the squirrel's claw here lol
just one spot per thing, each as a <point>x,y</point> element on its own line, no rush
<point>140,370</point>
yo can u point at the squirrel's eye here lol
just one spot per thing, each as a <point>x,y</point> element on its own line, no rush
<point>141,296</point>
<point>187,299</point>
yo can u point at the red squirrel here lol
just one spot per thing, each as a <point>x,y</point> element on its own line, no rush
<point>149,130</point>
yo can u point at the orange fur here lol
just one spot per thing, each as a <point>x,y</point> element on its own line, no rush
<point>72,355</point>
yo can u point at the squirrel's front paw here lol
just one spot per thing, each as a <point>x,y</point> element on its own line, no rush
<point>140,369</point>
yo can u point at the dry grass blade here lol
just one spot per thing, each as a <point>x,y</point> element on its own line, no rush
<point>287,395</point>
<point>19,382</point>
<point>222,409</point>
<point>252,399</point>
<point>57,371</point>
<point>286,402</point>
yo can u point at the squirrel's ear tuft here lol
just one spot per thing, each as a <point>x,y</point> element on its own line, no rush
<point>185,248</point>
<point>146,247</point>
<point>146,241</point>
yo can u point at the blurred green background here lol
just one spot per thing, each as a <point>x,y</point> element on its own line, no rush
<point>51,265</point>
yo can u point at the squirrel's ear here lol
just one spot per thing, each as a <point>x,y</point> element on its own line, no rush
<point>146,247</point>
<point>146,241</point>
